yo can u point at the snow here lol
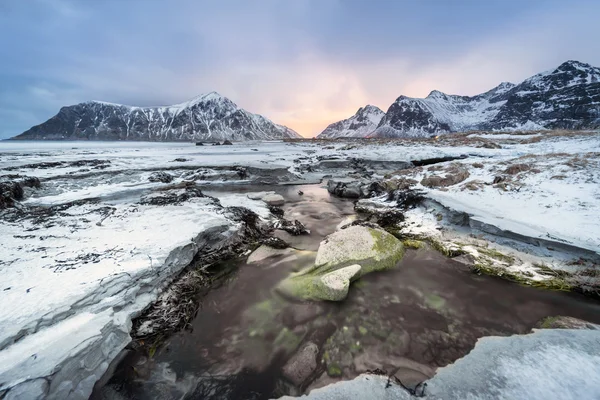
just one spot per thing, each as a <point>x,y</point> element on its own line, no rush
<point>547,364</point>
<point>100,264</point>
<point>360,124</point>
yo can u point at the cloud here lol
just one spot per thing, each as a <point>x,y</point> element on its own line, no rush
<point>302,63</point>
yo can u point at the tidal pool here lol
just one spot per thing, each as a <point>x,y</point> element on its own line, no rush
<point>425,313</point>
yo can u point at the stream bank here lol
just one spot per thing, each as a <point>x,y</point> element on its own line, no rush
<point>248,342</point>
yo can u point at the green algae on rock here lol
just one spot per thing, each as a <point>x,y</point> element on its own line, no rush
<point>372,249</point>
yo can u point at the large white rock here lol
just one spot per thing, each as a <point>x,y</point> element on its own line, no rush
<point>328,279</point>
<point>337,283</point>
<point>374,249</point>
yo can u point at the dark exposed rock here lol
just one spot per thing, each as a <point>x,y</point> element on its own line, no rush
<point>350,190</point>
<point>292,227</point>
<point>406,199</point>
<point>435,160</point>
<point>171,195</point>
<point>382,216</point>
<point>275,242</point>
<point>11,188</point>
<point>180,160</point>
<point>160,177</point>
<point>199,144</point>
<point>227,143</point>
<point>277,211</point>
<point>252,227</point>
<point>96,164</point>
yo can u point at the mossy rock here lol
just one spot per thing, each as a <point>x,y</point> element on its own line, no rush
<point>372,249</point>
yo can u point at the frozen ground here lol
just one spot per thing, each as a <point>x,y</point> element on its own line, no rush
<point>547,364</point>
<point>74,274</point>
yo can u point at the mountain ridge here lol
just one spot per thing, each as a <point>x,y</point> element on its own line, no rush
<point>566,97</point>
<point>207,117</point>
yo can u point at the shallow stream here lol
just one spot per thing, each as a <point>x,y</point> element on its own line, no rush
<point>425,313</point>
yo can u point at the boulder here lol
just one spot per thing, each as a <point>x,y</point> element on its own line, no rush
<point>227,143</point>
<point>160,176</point>
<point>350,190</point>
<point>335,284</point>
<point>302,365</point>
<point>274,200</point>
<point>373,249</point>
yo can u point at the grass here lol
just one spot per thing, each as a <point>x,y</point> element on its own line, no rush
<point>496,255</point>
<point>412,243</point>
<point>543,269</point>
<point>554,283</point>
<point>447,251</point>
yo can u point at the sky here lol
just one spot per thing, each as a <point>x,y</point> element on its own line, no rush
<point>301,63</point>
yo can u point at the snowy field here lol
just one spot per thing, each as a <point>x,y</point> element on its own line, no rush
<point>103,234</point>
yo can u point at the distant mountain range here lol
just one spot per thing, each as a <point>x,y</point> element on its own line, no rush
<point>365,121</point>
<point>209,117</point>
<point>567,97</point>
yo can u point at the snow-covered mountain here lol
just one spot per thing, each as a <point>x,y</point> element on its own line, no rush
<point>362,123</point>
<point>567,97</point>
<point>208,117</point>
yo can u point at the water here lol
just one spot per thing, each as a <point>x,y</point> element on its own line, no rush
<point>426,313</point>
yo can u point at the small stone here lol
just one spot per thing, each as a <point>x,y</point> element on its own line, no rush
<point>301,366</point>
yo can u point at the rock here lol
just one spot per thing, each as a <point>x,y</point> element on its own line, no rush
<point>372,249</point>
<point>227,143</point>
<point>337,283</point>
<point>275,243</point>
<point>276,211</point>
<point>160,177</point>
<point>301,366</point>
<point>562,322</point>
<point>350,190</point>
<point>274,200</point>
<point>11,188</point>
<point>264,252</point>
<point>173,194</point>
<point>292,227</point>
<point>199,144</point>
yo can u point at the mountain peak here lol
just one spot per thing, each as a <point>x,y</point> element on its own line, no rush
<point>574,64</point>
<point>436,94</point>
<point>207,117</point>
<point>369,109</point>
